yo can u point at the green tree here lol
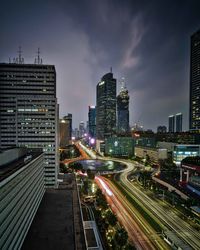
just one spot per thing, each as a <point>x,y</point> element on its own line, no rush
<point>111,218</point>
<point>129,247</point>
<point>121,237</point>
<point>76,166</point>
<point>63,168</point>
<point>90,174</point>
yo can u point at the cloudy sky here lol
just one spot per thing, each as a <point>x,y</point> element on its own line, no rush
<point>147,42</point>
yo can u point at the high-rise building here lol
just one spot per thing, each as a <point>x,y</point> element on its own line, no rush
<point>161,129</point>
<point>123,110</point>
<point>106,107</point>
<point>92,121</point>
<point>81,129</point>
<point>65,130</point>
<point>171,123</point>
<point>22,189</point>
<point>194,120</point>
<point>179,121</point>
<point>29,111</point>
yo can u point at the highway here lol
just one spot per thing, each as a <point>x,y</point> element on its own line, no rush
<point>167,217</point>
<point>186,236</point>
<point>120,207</point>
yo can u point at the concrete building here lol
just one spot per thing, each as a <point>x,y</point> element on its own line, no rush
<point>194,118</point>
<point>155,154</point>
<point>179,122</point>
<point>22,188</point>
<point>119,146</point>
<point>182,151</point>
<point>123,110</point>
<point>92,121</point>
<point>161,129</point>
<point>81,129</point>
<point>65,130</point>
<point>171,127</point>
<point>190,173</point>
<point>106,107</point>
<point>29,111</point>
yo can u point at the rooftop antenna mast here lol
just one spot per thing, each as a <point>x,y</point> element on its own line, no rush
<point>110,69</point>
<point>38,60</point>
<point>20,59</point>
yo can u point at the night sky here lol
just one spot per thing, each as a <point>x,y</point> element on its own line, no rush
<point>147,42</point>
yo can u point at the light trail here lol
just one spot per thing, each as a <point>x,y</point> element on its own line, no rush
<point>126,219</point>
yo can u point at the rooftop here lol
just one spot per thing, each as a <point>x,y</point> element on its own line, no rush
<point>11,167</point>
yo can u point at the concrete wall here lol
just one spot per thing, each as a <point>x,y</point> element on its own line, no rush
<point>20,197</point>
<point>11,155</point>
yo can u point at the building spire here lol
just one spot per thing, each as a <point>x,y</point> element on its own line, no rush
<point>122,84</point>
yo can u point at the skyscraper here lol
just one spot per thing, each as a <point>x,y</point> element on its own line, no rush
<point>92,121</point>
<point>194,122</point>
<point>123,110</point>
<point>29,111</point>
<point>106,107</point>
<point>171,123</point>
<point>81,129</point>
<point>179,121</point>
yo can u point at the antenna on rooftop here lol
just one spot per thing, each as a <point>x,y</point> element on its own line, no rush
<point>20,59</point>
<point>38,60</point>
<point>110,69</point>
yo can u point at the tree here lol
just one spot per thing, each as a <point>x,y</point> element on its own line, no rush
<point>121,237</point>
<point>63,168</point>
<point>111,218</point>
<point>76,166</point>
<point>100,199</point>
<point>90,174</point>
<point>130,247</point>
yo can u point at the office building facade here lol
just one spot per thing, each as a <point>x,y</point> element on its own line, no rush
<point>65,130</point>
<point>171,127</point>
<point>29,111</point>
<point>194,118</point>
<point>81,129</point>
<point>22,189</point>
<point>123,111</point>
<point>179,122</point>
<point>106,107</point>
<point>92,121</point>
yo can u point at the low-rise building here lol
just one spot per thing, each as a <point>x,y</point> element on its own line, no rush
<point>182,151</point>
<point>119,146</point>
<point>155,154</point>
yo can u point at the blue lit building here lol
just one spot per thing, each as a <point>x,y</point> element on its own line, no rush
<point>92,121</point>
<point>123,110</point>
<point>181,151</point>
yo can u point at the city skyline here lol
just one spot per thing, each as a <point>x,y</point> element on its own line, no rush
<point>141,41</point>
